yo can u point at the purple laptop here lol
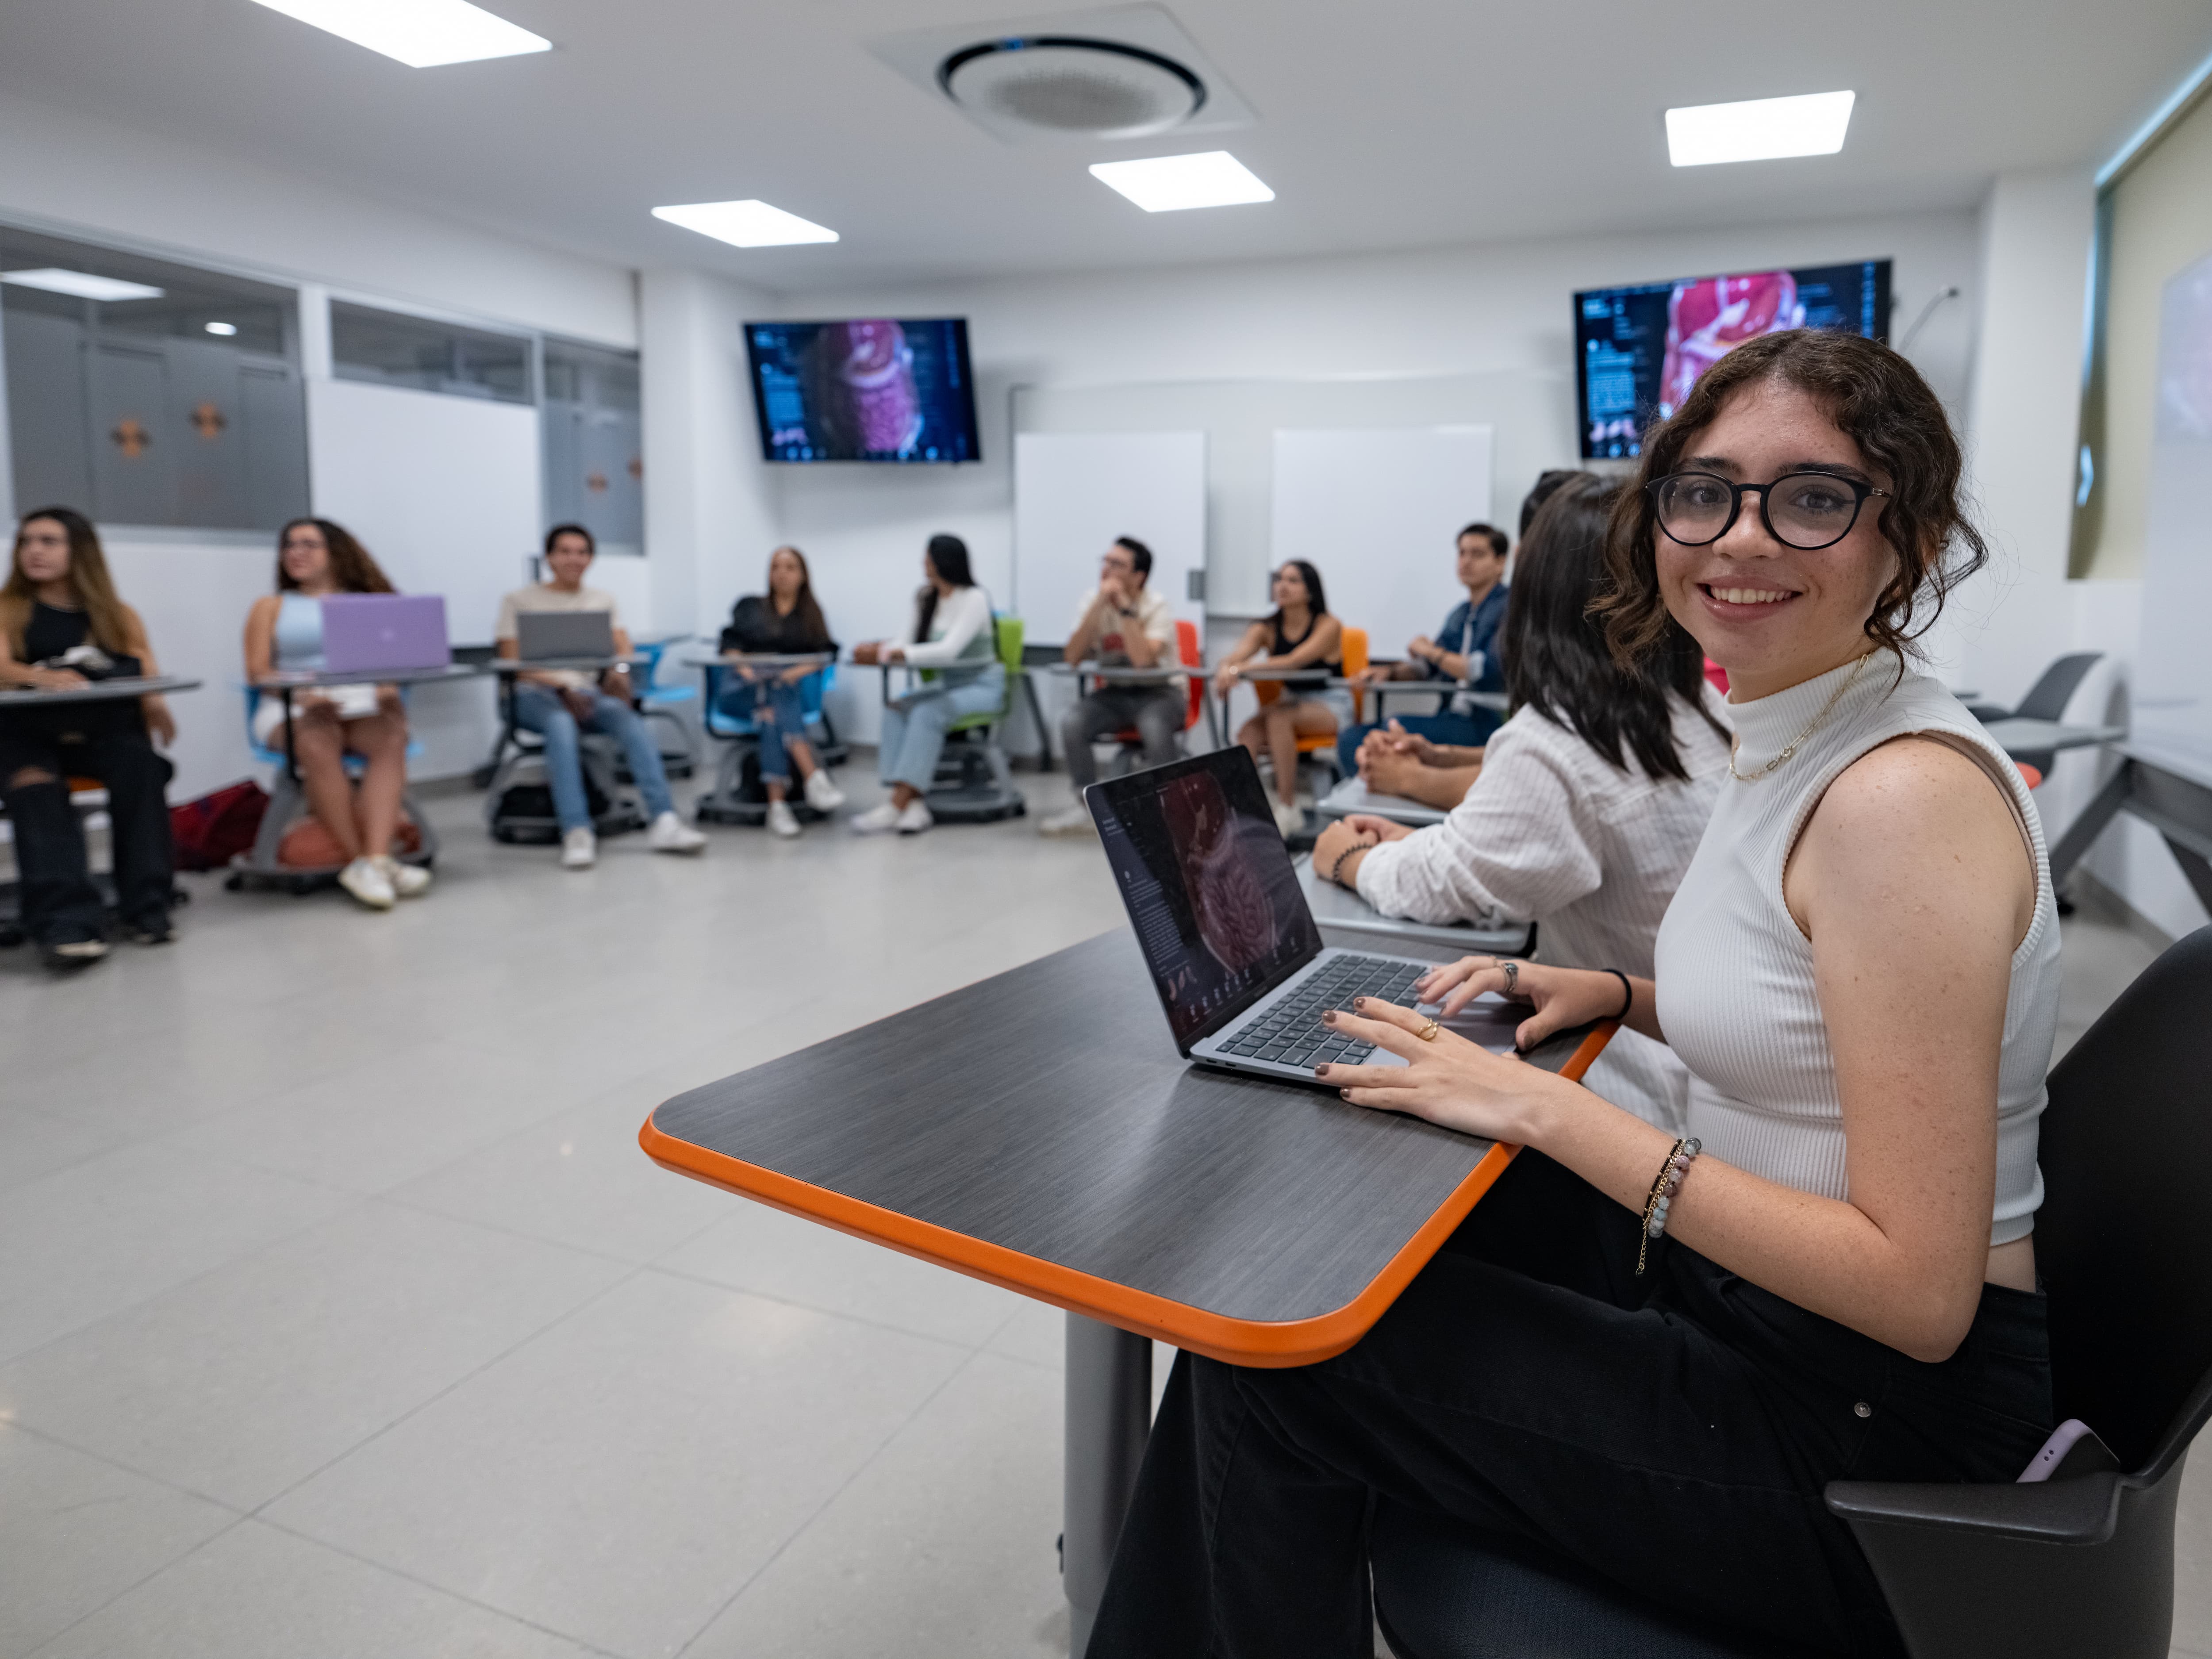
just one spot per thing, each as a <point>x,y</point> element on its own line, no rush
<point>368,633</point>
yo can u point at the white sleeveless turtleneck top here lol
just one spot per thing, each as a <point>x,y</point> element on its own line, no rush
<point>1735,972</point>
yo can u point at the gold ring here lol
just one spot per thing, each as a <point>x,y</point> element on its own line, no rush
<point>1428,1032</point>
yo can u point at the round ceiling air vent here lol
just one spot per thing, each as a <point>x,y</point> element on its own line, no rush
<point>1071,84</point>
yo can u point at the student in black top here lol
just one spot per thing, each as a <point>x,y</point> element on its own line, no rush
<point>62,626</point>
<point>1301,634</point>
<point>786,621</point>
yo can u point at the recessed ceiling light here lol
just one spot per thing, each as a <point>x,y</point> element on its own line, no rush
<point>420,34</point>
<point>1168,183</point>
<point>1761,130</point>
<point>223,328</point>
<point>81,283</point>
<point>748,223</point>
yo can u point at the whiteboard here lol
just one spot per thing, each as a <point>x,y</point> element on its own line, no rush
<point>443,491</point>
<point>2173,716</point>
<point>1075,492</point>
<point>1377,511</point>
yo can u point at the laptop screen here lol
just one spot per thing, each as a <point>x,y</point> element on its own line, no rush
<point>1208,882</point>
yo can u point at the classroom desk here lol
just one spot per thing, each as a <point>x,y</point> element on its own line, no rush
<point>1037,1130</point>
<point>1443,690</point>
<point>142,685</point>
<point>1129,674</point>
<point>1352,795</point>
<point>776,660</point>
<point>2025,737</point>
<point>1341,908</point>
<point>2170,792</point>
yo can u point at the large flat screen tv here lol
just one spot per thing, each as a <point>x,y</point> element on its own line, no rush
<point>1639,350</point>
<point>872,389</point>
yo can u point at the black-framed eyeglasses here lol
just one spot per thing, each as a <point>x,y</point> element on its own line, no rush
<point>1807,511</point>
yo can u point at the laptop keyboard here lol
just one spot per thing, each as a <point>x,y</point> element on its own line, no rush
<point>1290,1032</point>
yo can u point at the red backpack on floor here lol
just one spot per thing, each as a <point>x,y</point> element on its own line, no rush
<point>209,832</point>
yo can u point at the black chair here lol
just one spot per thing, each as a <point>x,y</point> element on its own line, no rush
<point>2046,700</point>
<point>2078,1567</point>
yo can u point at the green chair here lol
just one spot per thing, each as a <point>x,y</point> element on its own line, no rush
<point>973,782</point>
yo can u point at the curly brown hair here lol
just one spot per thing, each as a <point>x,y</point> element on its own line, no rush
<point>1878,400</point>
<point>351,568</point>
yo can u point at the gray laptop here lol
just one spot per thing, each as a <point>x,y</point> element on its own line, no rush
<point>1234,953</point>
<point>558,636</point>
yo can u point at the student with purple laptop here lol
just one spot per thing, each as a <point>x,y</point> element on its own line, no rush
<point>317,559</point>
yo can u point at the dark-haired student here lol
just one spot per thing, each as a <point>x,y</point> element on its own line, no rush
<point>1588,802</point>
<point>1122,624</point>
<point>952,633</point>
<point>784,621</point>
<point>1300,633</point>
<point>1648,1355</point>
<point>560,704</point>
<point>316,557</point>
<point>61,627</point>
<point>1463,653</point>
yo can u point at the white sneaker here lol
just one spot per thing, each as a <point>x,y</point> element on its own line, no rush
<point>782,820</point>
<point>875,820</point>
<point>915,819</point>
<point>579,849</point>
<point>1074,821</point>
<point>365,882</point>
<point>408,880</point>
<point>1291,820</point>
<point>670,834</point>
<point>822,795</point>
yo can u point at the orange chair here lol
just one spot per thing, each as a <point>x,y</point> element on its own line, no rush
<point>1189,654</point>
<point>1320,747</point>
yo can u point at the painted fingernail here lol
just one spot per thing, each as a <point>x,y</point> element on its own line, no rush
<point>1345,1093</point>
<point>1321,1070</point>
<point>1359,1002</point>
<point>1328,1017</point>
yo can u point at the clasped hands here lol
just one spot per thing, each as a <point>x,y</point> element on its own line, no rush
<point>1458,1084</point>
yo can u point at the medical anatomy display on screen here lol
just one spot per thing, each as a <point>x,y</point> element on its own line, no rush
<point>1639,350</point>
<point>869,389</point>
<point>1212,896</point>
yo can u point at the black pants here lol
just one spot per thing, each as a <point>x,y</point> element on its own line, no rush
<point>1156,714</point>
<point>1674,1439</point>
<point>60,903</point>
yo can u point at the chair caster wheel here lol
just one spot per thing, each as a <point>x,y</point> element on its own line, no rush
<point>234,883</point>
<point>11,937</point>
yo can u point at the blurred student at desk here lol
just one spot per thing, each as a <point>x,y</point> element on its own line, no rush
<point>786,621</point>
<point>1123,624</point>
<point>1589,802</point>
<point>560,704</point>
<point>1393,761</point>
<point>1300,633</point>
<point>1464,653</point>
<point>62,627</point>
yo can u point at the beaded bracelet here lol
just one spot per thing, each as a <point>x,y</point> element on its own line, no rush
<point>1670,1183</point>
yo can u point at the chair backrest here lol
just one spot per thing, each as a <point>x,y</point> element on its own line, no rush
<point>649,656</point>
<point>1009,635</point>
<point>1354,647</point>
<point>2124,1240</point>
<point>2047,699</point>
<point>1190,651</point>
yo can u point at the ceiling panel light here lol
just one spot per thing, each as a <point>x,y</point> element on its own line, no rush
<point>224,329</point>
<point>420,34</point>
<point>1761,130</point>
<point>1168,183</point>
<point>748,223</point>
<point>81,283</point>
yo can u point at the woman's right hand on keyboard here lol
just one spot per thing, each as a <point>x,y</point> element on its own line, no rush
<point>1564,997</point>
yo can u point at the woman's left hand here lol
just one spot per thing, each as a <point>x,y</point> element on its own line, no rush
<point>161,722</point>
<point>792,675</point>
<point>1448,1081</point>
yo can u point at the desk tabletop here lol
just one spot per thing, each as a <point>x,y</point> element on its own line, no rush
<point>759,658</point>
<point>1341,908</point>
<point>1124,672</point>
<point>1352,795</point>
<point>1038,1130</point>
<point>2015,735</point>
<point>308,679</point>
<point>564,665</point>
<point>146,685</point>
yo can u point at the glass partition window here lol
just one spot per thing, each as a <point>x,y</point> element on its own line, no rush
<point>594,443</point>
<point>389,349</point>
<point>144,393</point>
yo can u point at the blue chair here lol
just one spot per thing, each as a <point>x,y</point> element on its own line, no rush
<point>656,701</point>
<point>732,800</point>
<point>288,805</point>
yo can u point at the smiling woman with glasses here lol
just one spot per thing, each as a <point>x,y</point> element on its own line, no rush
<point>1648,1355</point>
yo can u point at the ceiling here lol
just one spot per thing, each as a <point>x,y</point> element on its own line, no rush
<point>1387,124</point>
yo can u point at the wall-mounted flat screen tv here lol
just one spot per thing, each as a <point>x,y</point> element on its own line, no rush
<point>870,389</point>
<point>1639,350</point>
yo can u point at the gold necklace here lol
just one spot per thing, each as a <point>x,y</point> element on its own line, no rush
<point>1811,727</point>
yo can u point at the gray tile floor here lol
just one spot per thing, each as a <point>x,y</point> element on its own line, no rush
<point>340,1315</point>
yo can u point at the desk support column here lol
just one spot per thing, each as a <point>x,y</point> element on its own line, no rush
<point>1108,1419</point>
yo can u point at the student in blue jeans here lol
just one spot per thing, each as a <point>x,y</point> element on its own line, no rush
<point>1464,650</point>
<point>786,621</point>
<point>560,705</point>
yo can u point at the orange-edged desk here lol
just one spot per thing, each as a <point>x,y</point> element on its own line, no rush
<point>1038,1130</point>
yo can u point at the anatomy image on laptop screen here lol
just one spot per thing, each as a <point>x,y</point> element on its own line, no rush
<point>1210,888</point>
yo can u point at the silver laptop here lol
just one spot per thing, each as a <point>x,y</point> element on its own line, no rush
<point>555,635</point>
<point>1234,950</point>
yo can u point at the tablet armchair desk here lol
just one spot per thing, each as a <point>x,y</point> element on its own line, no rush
<point>1037,1130</point>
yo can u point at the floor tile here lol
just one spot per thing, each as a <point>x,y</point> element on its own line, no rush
<point>754,1248</point>
<point>252,1376</point>
<point>620,1477</point>
<point>35,1143</point>
<point>105,1234</point>
<point>258,1593</point>
<point>2192,1555</point>
<point>1034,1332</point>
<point>943,1547</point>
<point>76,1532</point>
